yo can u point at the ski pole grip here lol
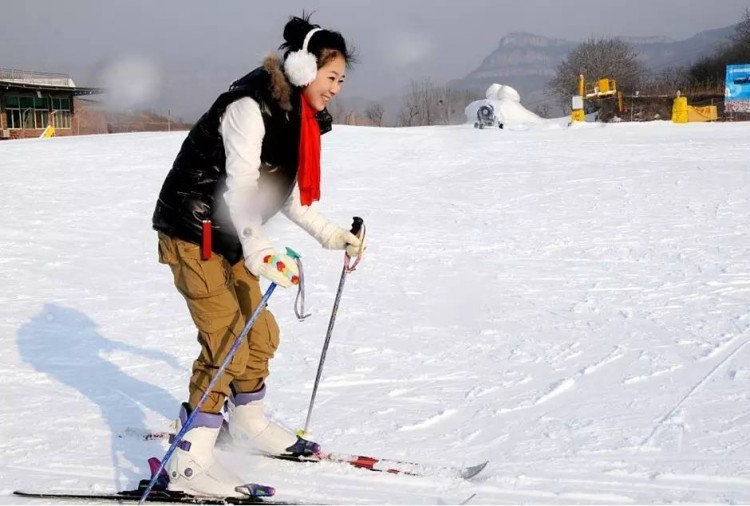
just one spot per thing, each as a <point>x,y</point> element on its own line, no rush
<point>357,225</point>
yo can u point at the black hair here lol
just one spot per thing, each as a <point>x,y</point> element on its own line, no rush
<point>325,44</point>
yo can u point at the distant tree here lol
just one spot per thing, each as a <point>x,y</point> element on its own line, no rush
<point>711,70</point>
<point>350,118</point>
<point>667,81</point>
<point>407,116</point>
<point>742,30</point>
<point>453,104</point>
<point>542,110</point>
<point>374,114</point>
<point>426,104</point>
<point>339,112</point>
<point>423,96</point>
<point>597,59</point>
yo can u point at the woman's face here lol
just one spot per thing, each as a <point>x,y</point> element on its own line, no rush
<point>327,83</point>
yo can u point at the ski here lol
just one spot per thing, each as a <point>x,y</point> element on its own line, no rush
<point>387,465</point>
<point>359,461</point>
<point>167,496</point>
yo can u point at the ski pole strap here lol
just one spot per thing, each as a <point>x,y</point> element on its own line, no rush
<point>358,229</point>
<point>299,301</point>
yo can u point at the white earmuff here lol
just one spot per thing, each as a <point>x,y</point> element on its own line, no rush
<point>301,67</point>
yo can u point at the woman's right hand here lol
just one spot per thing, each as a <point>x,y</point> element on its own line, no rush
<point>274,266</point>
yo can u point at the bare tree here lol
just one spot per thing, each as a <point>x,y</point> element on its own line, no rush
<point>374,114</point>
<point>351,117</point>
<point>597,59</point>
<point>340,114</point>
<point>667,81</point>
<point>742,30</point>
<point>426,104</point>
<point>408,115</point>
<point>543,110</point>
<point>420,104</point>
<point>709,72</point>
<point>453,104</point>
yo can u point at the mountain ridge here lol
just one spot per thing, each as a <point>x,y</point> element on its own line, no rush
<point>528,61</point>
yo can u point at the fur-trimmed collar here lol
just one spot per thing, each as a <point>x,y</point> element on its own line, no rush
<point>281,88</point>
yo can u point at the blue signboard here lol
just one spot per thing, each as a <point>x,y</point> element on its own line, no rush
<point>737,88</point>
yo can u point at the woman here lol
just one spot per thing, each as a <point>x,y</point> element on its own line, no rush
<point>254,153</point>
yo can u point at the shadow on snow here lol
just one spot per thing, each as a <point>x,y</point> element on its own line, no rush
<point>64,343</point>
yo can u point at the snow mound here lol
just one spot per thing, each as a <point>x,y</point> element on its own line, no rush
<point>502,92</point>
<point>506,102</point>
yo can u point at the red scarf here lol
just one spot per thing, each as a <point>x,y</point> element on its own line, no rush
<point>309,155</point>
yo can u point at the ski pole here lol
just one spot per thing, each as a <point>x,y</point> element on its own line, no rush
<point>358,227</point>
<point>219,372</point>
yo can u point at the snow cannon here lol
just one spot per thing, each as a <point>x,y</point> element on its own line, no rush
<point>486,117</point>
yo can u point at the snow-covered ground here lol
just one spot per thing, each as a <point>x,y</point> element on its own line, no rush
<point>572,304</point>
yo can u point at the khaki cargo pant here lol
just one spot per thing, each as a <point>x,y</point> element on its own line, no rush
<point>221,297</point>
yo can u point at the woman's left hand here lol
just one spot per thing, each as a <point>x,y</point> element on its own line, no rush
<point>343,239</point>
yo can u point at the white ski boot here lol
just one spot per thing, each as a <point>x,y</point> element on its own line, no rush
<point>193,468</point>
<point>249,426</point>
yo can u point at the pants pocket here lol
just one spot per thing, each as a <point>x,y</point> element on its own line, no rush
<point>197,278</point>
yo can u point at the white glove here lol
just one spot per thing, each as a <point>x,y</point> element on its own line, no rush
<point>274,266</point>
<point>340,238</point>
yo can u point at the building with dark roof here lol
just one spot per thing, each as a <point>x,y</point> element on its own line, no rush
<point>32,101</point>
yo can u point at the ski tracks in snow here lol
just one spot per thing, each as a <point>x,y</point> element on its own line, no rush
<point>557,301</point>
<point>736,345</point>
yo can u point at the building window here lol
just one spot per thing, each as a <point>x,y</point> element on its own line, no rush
<point>41,117</point>
<point>61,107</point>
<point>32,112</point>
<point>61,119</point>
<point>13,118</point>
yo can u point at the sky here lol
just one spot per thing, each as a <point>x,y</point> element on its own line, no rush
<point>571,304</point>
<point>185,52</point>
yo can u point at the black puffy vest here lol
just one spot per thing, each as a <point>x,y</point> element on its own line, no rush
<point>193,189</point>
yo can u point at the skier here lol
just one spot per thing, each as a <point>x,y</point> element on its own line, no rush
<point>254,153</point>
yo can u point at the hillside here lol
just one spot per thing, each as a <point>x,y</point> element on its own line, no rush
<point>527,62</point>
